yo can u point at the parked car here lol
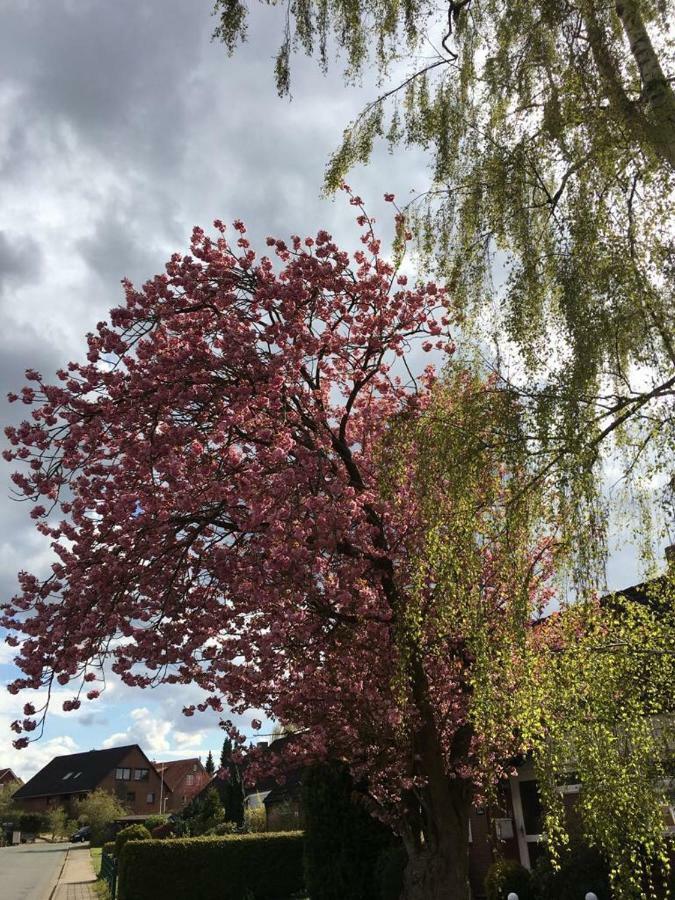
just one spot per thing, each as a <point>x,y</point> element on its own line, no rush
<point>81,835</point>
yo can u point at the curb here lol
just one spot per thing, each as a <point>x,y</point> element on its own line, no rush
<point>52,892</point>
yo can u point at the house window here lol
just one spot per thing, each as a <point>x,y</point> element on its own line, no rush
<point>131,797</point>
<point>122,774</point>
<point>150,798</point>
<point>141,774</point>
<point>189,779</point>
<point>67,776</point>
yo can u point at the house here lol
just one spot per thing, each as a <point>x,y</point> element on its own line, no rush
<point>125,772</point>
<point>184,778</point>
<point>283,804</point>
<point>8,777</point>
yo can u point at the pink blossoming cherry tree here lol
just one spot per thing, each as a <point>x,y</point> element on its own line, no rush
<point>248,489</point>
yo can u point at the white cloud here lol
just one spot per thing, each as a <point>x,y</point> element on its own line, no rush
<point>25,763</point>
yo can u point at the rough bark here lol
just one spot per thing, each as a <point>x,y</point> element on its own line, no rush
<point>438,866</point>
<point>438,869</point>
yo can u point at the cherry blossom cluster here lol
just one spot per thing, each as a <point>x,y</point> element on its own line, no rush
<point>210,482</point>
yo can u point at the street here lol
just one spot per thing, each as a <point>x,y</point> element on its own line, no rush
<point>27,872</point>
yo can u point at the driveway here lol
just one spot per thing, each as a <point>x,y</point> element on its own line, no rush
<point>29,871</point>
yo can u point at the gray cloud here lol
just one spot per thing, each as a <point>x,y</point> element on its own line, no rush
<point>20,260</point>
<point>122,127</point>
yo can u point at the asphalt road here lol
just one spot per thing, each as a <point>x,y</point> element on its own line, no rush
<point>27,872</point>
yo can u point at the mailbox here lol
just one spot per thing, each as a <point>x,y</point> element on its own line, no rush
<point>504,829</point>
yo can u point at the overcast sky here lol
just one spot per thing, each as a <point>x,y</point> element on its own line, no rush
<point>121,127</point>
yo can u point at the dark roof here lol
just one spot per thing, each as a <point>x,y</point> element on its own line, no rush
<point>289,790</point>
<point>87,770</point>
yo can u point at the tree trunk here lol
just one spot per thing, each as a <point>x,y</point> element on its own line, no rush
<point>658,128</point>
<point>656,88</point>
<point>438,869</point>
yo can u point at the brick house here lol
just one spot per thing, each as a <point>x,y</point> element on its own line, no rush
<point>8,777</point>
<point>184,778</point>
<point>125,772</point>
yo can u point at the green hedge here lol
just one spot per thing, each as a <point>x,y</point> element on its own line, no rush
<point>260,866</point>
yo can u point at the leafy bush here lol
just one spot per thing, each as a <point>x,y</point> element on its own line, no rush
<point>99,810</point>
<point>582,869</point>
<point>255,820</point>
<point>155,821</point>
<point>109,848</point>
<point>59,823</point>
<point>204,813</point>
<point>226,828</point>
<point>342,840</point>
<point>130,833</point>
<point>507,876</point>
<point>33,823</point>
<point>260,866</point>
<point>389,872</point>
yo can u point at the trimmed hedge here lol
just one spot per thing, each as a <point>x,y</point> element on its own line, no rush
<point>260,866</point>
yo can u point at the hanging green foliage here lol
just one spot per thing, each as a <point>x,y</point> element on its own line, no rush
<point>551,133</point>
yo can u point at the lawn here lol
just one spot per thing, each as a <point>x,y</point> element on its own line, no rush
<point>96,859</point>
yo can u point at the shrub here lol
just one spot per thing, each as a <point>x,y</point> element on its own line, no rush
<point>163,831</point>
<point>255,820</point>
<point>506,876</point>
<point>130,833</point>
<point>98,810</point>
<point>205,813</point>
<point>226,828</point>
<point>33,823</point>
<point>342,840</point>
<point>155,821</point>
<point>582,869</point>
<point>109,848</point>
<point>389,872</point>
<point>260,866</point>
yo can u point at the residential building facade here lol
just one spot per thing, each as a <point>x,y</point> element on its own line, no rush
<point>125,772</point>
<point>185,778</point>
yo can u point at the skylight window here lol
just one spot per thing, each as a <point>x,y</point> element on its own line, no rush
<point>67,775</point>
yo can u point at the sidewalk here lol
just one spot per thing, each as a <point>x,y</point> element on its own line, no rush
<point>77,878</point>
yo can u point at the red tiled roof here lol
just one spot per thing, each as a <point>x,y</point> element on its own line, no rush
<point>175,773</point>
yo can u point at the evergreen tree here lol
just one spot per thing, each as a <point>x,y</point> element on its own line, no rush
<point>233,794</point>
<point>226,753</point>
<point>210,765</point>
